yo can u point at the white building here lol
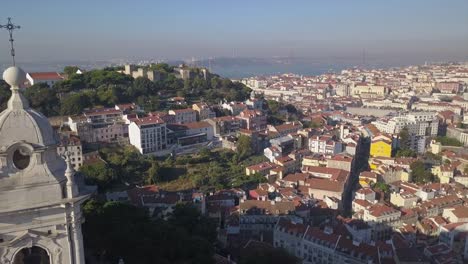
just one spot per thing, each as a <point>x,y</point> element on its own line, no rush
<point>50,78</point>
<point>365,90</point>
<point>203,111</point>
<point>71,146</point>
<point>198,128</point>
<point>314,245</point>
<point>148,134</point>
<point>342,89</point>
<point>325,145</point>
<point>458,133</point>
<point>418,124</point>
<point>40,208</point>
<point>183,116</point>
<point>100,125</point>
<point>381,218</point>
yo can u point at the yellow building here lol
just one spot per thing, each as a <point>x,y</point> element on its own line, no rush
<point>404,199</point>
<point>443,172</point>
<point>381,148</point>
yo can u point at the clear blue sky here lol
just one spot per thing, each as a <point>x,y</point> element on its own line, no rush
<point>173,29</point>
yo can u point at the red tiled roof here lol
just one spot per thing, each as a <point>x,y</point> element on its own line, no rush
<point>149,120</point>
<point>363,203</point>
<point>296,177</point>
<point>378,210</point>
<point>368,174</point>
<point>336,174</point>
<point>37,76</point>
<point>262,166</point>
<point>365,191</point>
<point>325,184</point>
<point>195,125</point>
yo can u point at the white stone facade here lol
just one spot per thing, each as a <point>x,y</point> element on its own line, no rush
<point>147,135</point>
<point>40,204</point>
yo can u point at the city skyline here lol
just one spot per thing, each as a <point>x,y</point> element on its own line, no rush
<point>56,31</point>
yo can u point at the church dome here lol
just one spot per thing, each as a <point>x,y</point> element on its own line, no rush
<point>19,122</point>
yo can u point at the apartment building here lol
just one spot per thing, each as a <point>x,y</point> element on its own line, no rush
<point>148,135</point>
<point>418,123</point>
<point>203,111</point>
<point>183,116</point>
<point>325,144</point>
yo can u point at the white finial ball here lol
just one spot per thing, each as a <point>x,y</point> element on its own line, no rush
<point>14,76</point>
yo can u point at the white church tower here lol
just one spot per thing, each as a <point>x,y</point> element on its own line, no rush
<point>40,204</point>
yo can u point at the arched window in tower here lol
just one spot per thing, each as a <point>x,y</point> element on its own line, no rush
<point>32,255</point>
<point>21,158</point>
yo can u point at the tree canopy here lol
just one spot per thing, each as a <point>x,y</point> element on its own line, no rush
<point>115,230</point>
<point>5,94</point>
<point>266,255</point>
<point>404,137</point>
<point>106,87</point>
<point>244,147</point>
<point>420,174</point>
<point>43,99</point>
<point>447,141</point>
<point>406,153</point>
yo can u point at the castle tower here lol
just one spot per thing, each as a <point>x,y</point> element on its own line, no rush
<point>40,204</point>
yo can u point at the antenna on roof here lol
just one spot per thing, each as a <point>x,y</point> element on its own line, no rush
<point>10,27</point>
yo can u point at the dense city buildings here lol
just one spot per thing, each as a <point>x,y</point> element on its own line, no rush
<point>234,132</point>
<point>356,167</point>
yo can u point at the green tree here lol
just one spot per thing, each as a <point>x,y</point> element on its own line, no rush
<point>404,137</point>
<point>150,103</point>
<point>5,94</point>
<point>406,153</point>
<point>204,154</point>
<point>70,70</point>
<point>383,187</point>
<point>142,86</point>
<point>74,104</point>
<point>154,174</point>
<point>291,109</point>
<point>447,141</point>
<point>162,67</point>
<point>188,216</point>
<point>226,83</point>
<point>273,107</point>
<point>98,173</point>
<point>96,78</point>
<point>43,99</point>
<point>244,146</point>
<point>266,254</point>
<point>215,83</point>
<point>182,239</point>
<point>420,174</point>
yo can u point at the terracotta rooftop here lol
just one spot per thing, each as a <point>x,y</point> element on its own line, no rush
<point>195,125</point>
<point>379,210</point>
<point>39,76</point>
<point>267,207</point>
<point>149,120</point>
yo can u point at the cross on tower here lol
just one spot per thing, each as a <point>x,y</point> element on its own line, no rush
<point>10,27</point>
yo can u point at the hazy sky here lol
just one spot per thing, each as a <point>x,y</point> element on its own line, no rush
<point>174,29</point>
